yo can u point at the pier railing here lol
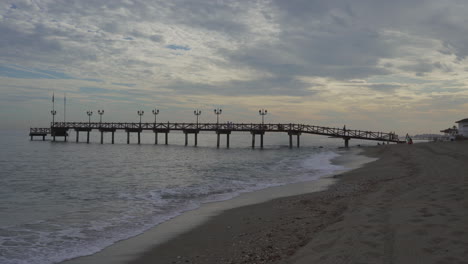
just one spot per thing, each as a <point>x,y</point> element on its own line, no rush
<point>245,127</point>
<point>39,131</point>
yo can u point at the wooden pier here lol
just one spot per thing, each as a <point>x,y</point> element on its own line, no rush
<point>60,129</point>
<point>39,132</point>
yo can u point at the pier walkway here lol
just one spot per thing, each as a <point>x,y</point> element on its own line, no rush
<point>60,129</point>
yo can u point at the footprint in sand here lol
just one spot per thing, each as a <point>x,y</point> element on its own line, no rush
<point>416,220</point>
<point>370,244</point>
<point>421,232</point>
<point>451,260</point>
<point>457,233</point>
<point>375,234</point>
<point>433,249</point>
<point>373,254</point>
<point>437,240</point>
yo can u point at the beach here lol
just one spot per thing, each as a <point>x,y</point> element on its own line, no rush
<point>409,206</point>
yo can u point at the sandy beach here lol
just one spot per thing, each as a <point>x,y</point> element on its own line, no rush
<point>409,206</point>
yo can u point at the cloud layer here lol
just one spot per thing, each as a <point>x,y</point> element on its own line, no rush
<point>361,59</point>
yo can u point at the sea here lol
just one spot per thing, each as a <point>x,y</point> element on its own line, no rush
<point>62,200</point>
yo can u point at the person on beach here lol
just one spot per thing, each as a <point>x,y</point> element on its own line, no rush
<point>409,141</point>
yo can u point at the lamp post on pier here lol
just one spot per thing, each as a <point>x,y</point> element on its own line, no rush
<point>89,113</point>
<point>263,113</point>
<point>100,112</point>
<point>197,113</point>
<point>217,113</point>
<point>53,112</point>
<point>155,113</point>
<point>140,113</point>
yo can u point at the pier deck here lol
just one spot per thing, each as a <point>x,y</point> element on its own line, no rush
<point>60,129</point>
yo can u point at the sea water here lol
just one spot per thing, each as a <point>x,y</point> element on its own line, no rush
<point>61,200</point>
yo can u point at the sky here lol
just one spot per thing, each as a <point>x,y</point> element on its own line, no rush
<point>380,65</point>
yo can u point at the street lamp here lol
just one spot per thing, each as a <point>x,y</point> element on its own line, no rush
<point>263,113</point>
<point>155,113</point>
<point>100,112</point>
<point>89,113</point>
<point>140,113</point>
<point>53,112</point>
<point>217,113</point>
<point>197,113</point>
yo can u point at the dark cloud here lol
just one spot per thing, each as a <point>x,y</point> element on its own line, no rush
<point>106,91</point>
<point>405,98</point>
<point>220,16</point>
<point>318,38</point>
<point>336,39</point>
<point>443,67</point>
<point>177,47</point>
<point>24,73</point>
<point>268,87</point>
<point>16,43</point>
<point>22,98</point>
<point>385,87</point>
<point>442,102</point>
<point>156,38</point>
<point>125,84</point>
<point>419,68</point>
<point>431,89</point>
<point>422,67</point>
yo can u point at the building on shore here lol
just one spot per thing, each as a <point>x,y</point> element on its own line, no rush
<point>450,133</point>
<point>463,127</point>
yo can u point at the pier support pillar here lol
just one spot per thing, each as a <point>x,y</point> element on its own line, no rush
<point>43,138</point>
<point>113,137</point>
<point>102,137</point>
<point>196,139</point>
<point>346,142</point>
<point>77,136</point>
<point>139,137</point>
<point>87,137</point>
<point>218,137</point>
<point>65,138</point>
<point>31,138</point>
<point>157,131</point>
<point>128,137</point>
<point>186,139</point>
<point>298,137</point>
<point>53,138</point>
<point>257,132</point>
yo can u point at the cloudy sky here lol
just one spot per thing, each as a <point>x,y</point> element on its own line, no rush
<point>397,65</point>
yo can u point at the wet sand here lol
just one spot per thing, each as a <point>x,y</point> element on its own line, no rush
<point>410,206</point>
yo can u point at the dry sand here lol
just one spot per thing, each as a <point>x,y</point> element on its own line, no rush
<point>410,206</point>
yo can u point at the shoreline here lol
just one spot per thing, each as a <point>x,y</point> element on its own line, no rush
<point>408,206</point>
<point>130,249</point>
